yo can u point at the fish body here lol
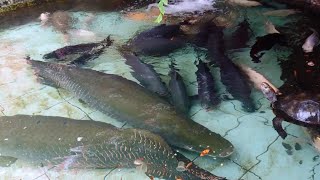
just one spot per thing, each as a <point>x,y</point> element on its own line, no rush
<point>264,43</point>
<point>145,74</point>
<point>83,50</point>
<point>127,101</point>
<point>230,75</point>
<point>178,91</point>
<point>79,144</point>
<point>161,31</point>
<point>207,91</point>
<point>312,41</point>
<point>236,84</point>
<point>241,35</point>
<point>156,46</point>
<point>158,41</point>
<point>215,43</point>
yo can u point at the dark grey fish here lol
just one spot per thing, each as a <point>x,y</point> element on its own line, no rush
<point>207,90</point>
<point>178,91</point>
<point>240,36</point>
<point>145,74</point>
<point>127,101</point>
<point>264,43</point>
<point>158,41</point>
<point>161,31</point>
<point>215,43</point>
<point>156,46</point>
<point>86,51</point>
<point>236,84</point>
<point>68,144</point>
<point>231,76</point>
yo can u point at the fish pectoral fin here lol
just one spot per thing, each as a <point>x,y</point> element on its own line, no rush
<point>68,162</point>
<point>6,161</point>
<point>43,81</point>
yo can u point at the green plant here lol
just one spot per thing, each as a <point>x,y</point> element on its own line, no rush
<point>161,9</point>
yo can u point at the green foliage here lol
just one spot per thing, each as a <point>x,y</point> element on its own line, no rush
<point>161,9</point>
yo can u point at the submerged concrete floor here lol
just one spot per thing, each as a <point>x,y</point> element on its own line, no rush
<point>260,152</point>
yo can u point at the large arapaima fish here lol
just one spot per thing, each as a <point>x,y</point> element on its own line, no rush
<point>79,144</point>
<point>127,101</point>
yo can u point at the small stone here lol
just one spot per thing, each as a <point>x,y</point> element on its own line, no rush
<point>262,112</point>
<point>315,158</point>
<point>300,162</point>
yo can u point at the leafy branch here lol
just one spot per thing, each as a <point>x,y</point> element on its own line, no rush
<point>161,9</point>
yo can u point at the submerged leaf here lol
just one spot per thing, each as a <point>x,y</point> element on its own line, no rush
<point>161,8</point>
<point>159,19</point>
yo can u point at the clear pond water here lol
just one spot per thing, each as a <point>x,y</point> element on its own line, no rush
<point>259,151</point>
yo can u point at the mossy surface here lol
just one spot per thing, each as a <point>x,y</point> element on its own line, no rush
<point>23,4</point>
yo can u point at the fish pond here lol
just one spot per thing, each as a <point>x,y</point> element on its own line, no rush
<point>102,91</point>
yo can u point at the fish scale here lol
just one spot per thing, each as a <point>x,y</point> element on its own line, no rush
<point>106,145</point>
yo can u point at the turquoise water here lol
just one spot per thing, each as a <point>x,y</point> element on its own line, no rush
<point>259,152</point>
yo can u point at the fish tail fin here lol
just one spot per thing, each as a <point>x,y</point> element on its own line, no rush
<point>107,41</point>
<point>173,63</point>
<point>198,56</point>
